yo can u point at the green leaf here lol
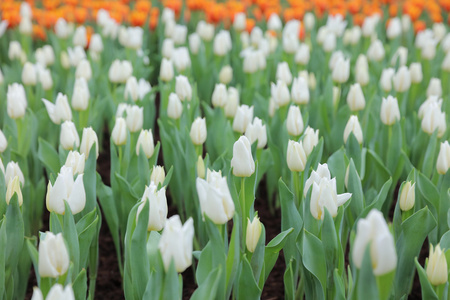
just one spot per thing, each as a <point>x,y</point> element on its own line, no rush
<point>86,237</point>
<point>14,233</point>
<point>428,190</point>
<point>314,259</point>
<point>80,285</point>
<point>3,243</point>
<point>336,164</point>
<point>353,150</point>
<point>366,285</point>
<point>89,181</point>
<point>71,237</point>
<point>48,156</point>
<point>247,286</point>
<point>427,290</point>
<point>171,287</point>
<point>289,285</point>
<point>340,286</point>
<point>208,289</point>
<point>395,145</point>
<point>233,257</point>
<point>429,158</point>
<point>357,202</point>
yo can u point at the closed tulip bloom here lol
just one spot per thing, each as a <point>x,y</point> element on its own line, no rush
<point>157,207</point>
<point>401,55</point>
<point>437,272</point>
<point>88,140</point>
<point>45,79</point>
<point>53,256</point>
<point>315,177</point>
<point>302,55</point>
<point>16,101</point>
<point>373,232</point>
<point>176,243</point>
<point>386,79</point>
<point>296,156</point>
<point>3,142</point>
<point>434,87</point>
<point>96,43</point>
<point>167,15</point>
<point>329,42</point>
<point>26,26</point>
<point>62,29</point>
<point>336,95</point>
<point>432,100</point>
<point>434,119</point>
<point>14,188</point>
<point>194,43</point>
<point>37,294</point>
<point>166,73</point>
<point>341,71</point>
<point>80,37</point>
<point>323,196</point>
<point>280,93</point>
<point>58,292</point>
<point>222,43</point>
<point>205,30</point>
<point>174,108</point>
<point>309,21</point>
<point>120,71</point>
<point>183,88</point>
<point>215,197</point>
<point>369,25</point>
<point>84,70</point>
<point>219,96</point>
<point>334,58</point>
<point>65,188</point>
<point>69,137</point>
<point>376,51</point>
<point>407,196</point>
<point>362,70</point>
<point>200,166</point>
<point>131,89</point>
<point>415,70</point>
<point>181,59</point>
<point>256,131</point>
<point>256,35</point>
<point>274,22</point>
<point>144,88</point>
<point>446,63</point>
<point>198,131</point>
<point>300,91</point>
<point>394,28</point>
<point>76,161</point>
<point>254,229</point>
<point>135,118</point>
<point>60,111</point>
<point>294,122</point>
<point>290,43</point>
<point>354,127</point>
<point>145,140</point>
<point>14,50</point>
<point>119,132</point>
<point>158,175</point>
<point>242,118</point>
<point>443,160</point>
<point>406,22</point>
<point>73,57</point>
<point>242,162</point>
<point>13,170</point>
<point>232,104</point>
<point>226,74</point>
<point>389,112</point>
<point>355,98</point>
<point>29,74</point>
<point>402,79</point>
<point>310,140</point>
<point>240,21</point>
<point>429,49</point>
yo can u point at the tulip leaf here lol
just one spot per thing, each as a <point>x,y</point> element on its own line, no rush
<point>375,172</point>
<point>85,239</point>
<point>71,237</point>
<point>3,204</point>
<point>339,284</point>
<point>172,284</point>
<point>208,289</point>
<point>427,290</point>
<point>357,202</point>
<point>353,150</point>
<point>3,262</point>
<point>336,164</point>
<point>330,243</point>
<point>429,157</point>
<point>394,147</point>
<point>143,168</point>
<point>289,283</point>
<point>366,285</point>
<point>313,257</point>
<point>233,257</point>
<point>444,204</point>
<point>257,259</point>
<point>247,286</point>
<point>445,241</point>
<point>205,264</point>
<point>414,230</point>
<point>80,285</point>
<point>14,232</point>
<point>379,200</point>
<point>428,190</point>
<point>89,181</point>
<point>48,156</point>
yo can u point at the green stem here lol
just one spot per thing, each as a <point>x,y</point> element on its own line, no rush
<point>407,214</point>
<point>244,210</point>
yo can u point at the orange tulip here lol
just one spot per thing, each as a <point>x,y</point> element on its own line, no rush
<point>419,25</point>
<point>138,18</point>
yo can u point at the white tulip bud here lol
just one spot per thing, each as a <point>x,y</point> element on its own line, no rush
<point>222,43</point>
<point>283,73</point>
<point>145,140</point>
<point>65,188</point>
<point>407,196</point>
<point>226,74</point>
<point>336,95</point>
<point>434,88</point>
<point>362,70</point>
<point>290,43</point>
<point>415,69</point>
<point>426,105</point>
<point>69,138</point>
<point>315,177</point>
<point>443,160</point>
<point>256,35</point>
<point>402,79</point>
<point>280,93</point>
<point>242,118</point>
<point>434,119</point>
<point>446,63</point>
<point>376,51</point>
<point>176,243</point>
<point>119,132</point>
<point>310,140</point>
<point>294,122</point>
<point>81,94</point>
<point>240,21</point>
<point>144,88</point>
<point>96,43</point>
<point>355,98</point>
<point>53,256</point>
<point>181,59</point>
<point>14,50</point>
<point>198,131</point>
<point>183,88</point>
<point>62,29</point>
<point>389,112</point>
<point>84,70</point>
<point>215,197</point>
<point>3,142</point>
<point>158,175</point>
<point>131,89</point>
<point>200,166</point>
<point>29,74</point>
<point>302,55</point>
<point>394,28</point>
<point>60,111</point>
<point>74,57</point>
<point>13,170</point>
<point>14,188</point>
<point>242,162</point>
<point>257,131</point>
<point>300,91</point>
<point>219,96</point>
<point>429,49</point>
<point>45,78</point>
<point>194,43</point>
<point>329,43</point>
<point>76,161</point>
<point>370,24</point>
<point>334,58</point>
<point>437,272</point>
<point>232,104</point>
<point>179,34</point>
<point>386,79</point>
<point>254,229</point>
<point>166,72</point>
<point>205,30</point>
<point>373,232</point>
<point>354,127</point>
<point>296,156</point>
<point>167,15</point>
<point>135,118</point>
<point>341,71</point>
<point>59,292</point>
<point>406,22</point>
<point>79,37</point>
<point>26,26</point>
<point>308,21</point>
<point>88,140</point>
<point>174,108</point>
<point>274,22</point>
<point>401,55</point>
<point>336,24</point>
<point>157,207</point>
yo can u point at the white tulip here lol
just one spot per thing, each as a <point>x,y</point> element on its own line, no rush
<point>434,119</point>
<point>386,79</point>
<point>88,140</point>
<point>376,51</point>
<point>369,25</point>
<point>16,101</point>
<point>354,127</point>
<point>166,73</point>
<point>158,175</point>
<point>242,162</point>
<point>232,104</point>
<point>84,70</point>
<point>174,108</point>
<point>415,69</point>
<point>131,89</point>
<point>157,207</point>
<point>290,43</point>
<point>434,88</point>
<point>13,170</point>
<point>300,91</point>
<point>14,50</point>
<point>53,256</point>
<point>26,26</point>
<point>362,70</point>
<point>309,21</point>
<point>194,43</point>
<point>76,161</point>
<point>407,196</point>
<point>257,131</point>
<point>219,95</point>
<point>3,142</point>
<point>323,196</point>
<point>310,140</point>
<point>443,160</point>
<point>60,111</point>
<point>144,88</point>
<point>341,71</point>
<point>205,30</point>
<point>45,78</point>
<point>135,118</point>
<point>437,268</point>
<point>426,105</point>
<point>57,292</point>
<point>296,156</point>
<point>294,121</point>
<point>183,88</point>
<point>254,229</point>
<point>401,55</point>
<point>446,63</point>
<point>119,132</point>
<point>222,43</point>
<point>198,131</point>
<point>226,74</point>
<point>96,43</point>
<point>62,29</point>
<point>79,37</point>
<point>355,98</point>
<point>69,138</point>
<point>280,93</point>
<point>390,112</point>
<point>29,74</point>
<point>242,118</point>
<point>274,22</point>
<point>336,24</point>
<point>329,42</point>
<point>181,59</point>
<point>145,140</point>
<point>394,28</point>
<point>240,21</point>
<point>302,55</point>
<point>13,187</point>
<point>283,73</point>
<point>81,95</point>
<point>73,58</point>
<point>315,177</point>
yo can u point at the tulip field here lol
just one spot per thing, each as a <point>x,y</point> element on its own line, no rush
<point>224,150</point>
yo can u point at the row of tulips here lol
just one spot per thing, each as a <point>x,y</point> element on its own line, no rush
<point>345,131</point>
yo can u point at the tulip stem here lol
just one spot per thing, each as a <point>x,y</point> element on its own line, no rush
<point>439,289</point>
<point>19,126</point>
<point>297,187</point>
<point>407,214</point>
<point>244,210</point>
